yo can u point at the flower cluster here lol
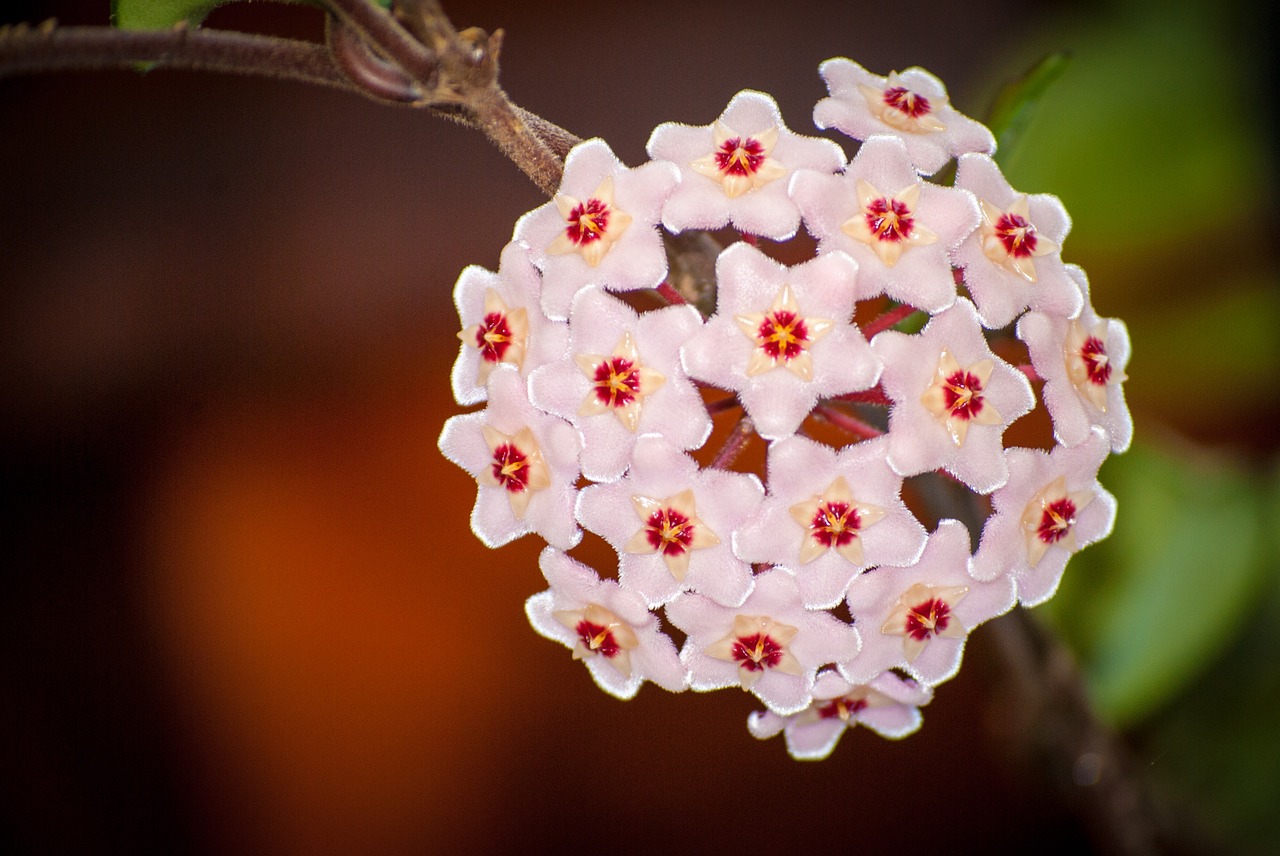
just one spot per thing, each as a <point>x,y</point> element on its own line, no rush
<point>817,589</point>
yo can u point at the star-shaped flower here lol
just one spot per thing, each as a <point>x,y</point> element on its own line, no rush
<point>830,514</point>
<point>898,228</point>
<point>671,524</point>
<point>770,645</point>
<point>735,170</point>
<point>952,399</point>
<point>1082,363</point>
<point>600,229</point>
<point>1051,507</point>
<point>1012,261</point>
<point>524,461</point>
<point>888,705</point>
<point>621,377</point>
<point>607,627</point>
<point>912,105</point>
<point>917,617</point>
<point>502,323</point>
<point>781,337</point>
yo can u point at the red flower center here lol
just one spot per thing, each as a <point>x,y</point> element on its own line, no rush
<point>1056,520</point>
<point>928,619</point>
<point>1096,364</point>
<point>835,524</point>
<point>757,652</point>
<point>889,219</point>
<point>906,102</point>
<point>782,335</point>
<point>598,638</point>
<point>1016,234</point>
<point>740,156</point>
<point>588,221</point>
<point>493,338</point>
<point>962,395</point>
<point>511,468</point>
<point>842,708</point>
<point>616,381</point>
<point>669,532</point>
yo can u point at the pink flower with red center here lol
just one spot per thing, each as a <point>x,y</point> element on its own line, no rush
<point>607,628</point>
<point>912,105</point>
<point>600,229</point>
<point>830,514</point>
<point>590,387</point>
<point>781,337</point>
<point>1051,507</point>
<point>1012,261</point>
<point>671,524</point>
<point>888,704</point>
<point>916,617</point>
<point>502,323</point>
<point>953,399</point>
<point>1082,362</point>
<point>734,171</point>
<point>525,464</point>
<point>770,645</point>
<point>899,229</point>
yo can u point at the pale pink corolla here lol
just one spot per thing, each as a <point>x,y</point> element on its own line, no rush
<point>1082,363</point>
<point>828,515</point>
<point>952,399</point>
<point>782,337</point>
<point>889,705</point>
<point>735,171</point>
<point>502,322</point>
<point>621,377</point>
<point>918,617</point>
<point>912,105</point>
<point>672,524</point>
<point>900,229</point>
<point>525,463</point>
<point>601,229</point>
<point>1051,507</point>
<point>608,628</point>
<point>1013,260</point>
<point>770,645</point>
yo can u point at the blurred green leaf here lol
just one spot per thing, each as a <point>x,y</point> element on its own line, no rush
<point>1151,607</point>
<point>160,14</point>
<point>1018,101</point>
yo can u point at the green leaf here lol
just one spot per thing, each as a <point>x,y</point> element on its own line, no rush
<point>1150,608</point>
<point>160,14</point>
<point>1017,102</point>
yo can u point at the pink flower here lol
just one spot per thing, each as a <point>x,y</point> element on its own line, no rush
<point>524,461</point>
<point>781,337</point>
<point>672,524</point>
<point>912,105</point>
<point>830,514</point>
<point>736,170</point>
<point>1012,261</point>
<point>1051,507</point>
<point>502,322</point>
<point>918,617</point>
<point>770,645</point>
<point>607,627</point>
<point>621,378</point>
<point>888,705</point>
<point>601,228</point>
<point>899,229</point>
<point>1082,363</point>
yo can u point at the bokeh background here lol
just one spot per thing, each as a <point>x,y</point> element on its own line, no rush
<point>242,609</point>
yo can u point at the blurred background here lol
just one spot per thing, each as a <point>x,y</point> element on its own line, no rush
<point>242,609</point>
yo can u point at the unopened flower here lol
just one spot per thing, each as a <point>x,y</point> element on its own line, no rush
<point>608,628</point>
<point>889,705</point>
<point>735,171</point>
<point>912,105</point>
<point>898,228</point>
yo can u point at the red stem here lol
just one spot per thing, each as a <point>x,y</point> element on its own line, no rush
<point>848,422</point>
<point>1030,371</point>
<point>672,296</point>
<point>888,319</point>
<point>736,442</point>
<point>875,395</point>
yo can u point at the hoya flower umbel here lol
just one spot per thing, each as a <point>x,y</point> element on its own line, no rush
<point>741,162</point>
<point>783,336</point>
<point>756,644</point>
<point>957,396</point>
